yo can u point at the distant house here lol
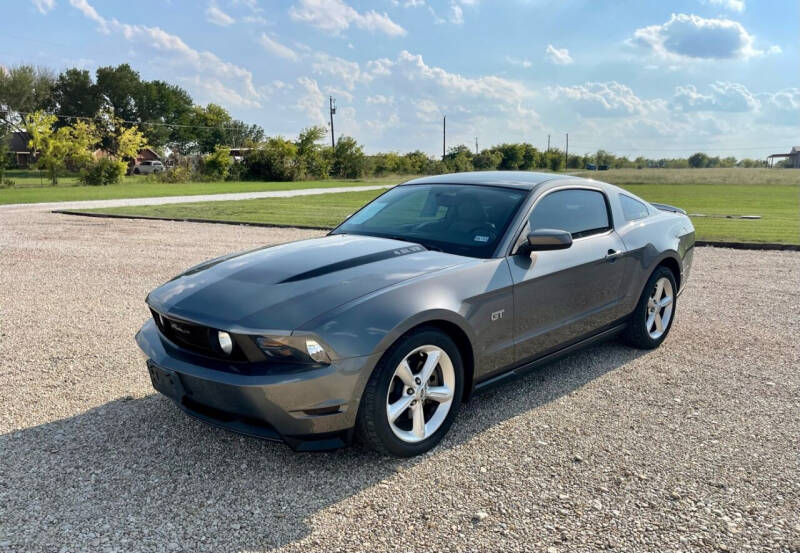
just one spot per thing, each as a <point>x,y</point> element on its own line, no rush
<point>147,154</point>
<point>18,149</point>
<point>793,158</point>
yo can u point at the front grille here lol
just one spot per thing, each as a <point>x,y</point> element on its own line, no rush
<point>194,337</point>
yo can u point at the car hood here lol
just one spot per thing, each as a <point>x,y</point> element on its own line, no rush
<point>281,287</point>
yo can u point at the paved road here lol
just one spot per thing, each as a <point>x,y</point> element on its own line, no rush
<point>92,204</point>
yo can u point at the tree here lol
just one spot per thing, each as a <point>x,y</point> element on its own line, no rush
<point>555,160</point>
<point>74,94</point>
<point>459,159</point>
<point>487,160</point>
<point>417,162</point>
<point>129,142</point>
<point>218,164</point>
<point>82,139</point>
<point>698,160</point>
<point>158,106</point>
<point>119,87</point>
<point>274,160</point>
<point>349,161</point>
<point>50,147</point>
<point>310,158</point>
<point>23,89</point>
<point>513,155</point>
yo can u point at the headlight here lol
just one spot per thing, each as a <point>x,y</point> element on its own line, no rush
<point>293,349</point>
<point>225,342</point>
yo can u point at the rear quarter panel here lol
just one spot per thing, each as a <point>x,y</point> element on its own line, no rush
<point>651,240</point>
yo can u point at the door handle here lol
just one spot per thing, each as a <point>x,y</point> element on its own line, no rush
<point>612,255</point>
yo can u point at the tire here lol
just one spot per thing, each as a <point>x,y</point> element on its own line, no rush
<point>402,438</point>
<point>136,171</point>
<point>647,329</point>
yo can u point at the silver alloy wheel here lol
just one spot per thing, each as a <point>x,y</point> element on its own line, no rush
<point>420,393</point>
<point>659,308</point>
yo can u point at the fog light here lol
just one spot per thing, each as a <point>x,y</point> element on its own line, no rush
<point>225,342</point>
<point>316,352</point>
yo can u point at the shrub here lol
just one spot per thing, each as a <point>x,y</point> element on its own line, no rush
<point>181,173</point>
<point>217,165</point>
<point>103,171</point>
<point>275,160</point>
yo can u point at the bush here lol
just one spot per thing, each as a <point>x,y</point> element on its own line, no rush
<point>217,165</point>
<point>275,160</point>
<point>181,173</point>
<point>103,171</point>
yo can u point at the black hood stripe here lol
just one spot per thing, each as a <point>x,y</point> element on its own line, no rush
<point>354,262</point>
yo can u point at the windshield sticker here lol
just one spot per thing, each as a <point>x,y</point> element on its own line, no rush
<point>367,213</point>
<point>480,238</point>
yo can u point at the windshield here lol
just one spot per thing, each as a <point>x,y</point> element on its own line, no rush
<point>464,220</point>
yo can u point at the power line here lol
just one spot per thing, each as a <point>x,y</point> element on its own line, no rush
<point>98,118</point>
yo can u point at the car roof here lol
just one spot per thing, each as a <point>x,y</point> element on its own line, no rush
<point>511,179</point>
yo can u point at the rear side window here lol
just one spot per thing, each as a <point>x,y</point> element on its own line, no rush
<point>579,212</point>
<point>633,209</point>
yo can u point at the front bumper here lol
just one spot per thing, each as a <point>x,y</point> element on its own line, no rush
<point>309,408</point>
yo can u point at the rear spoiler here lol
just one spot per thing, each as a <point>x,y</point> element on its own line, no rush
<point>667,207</point>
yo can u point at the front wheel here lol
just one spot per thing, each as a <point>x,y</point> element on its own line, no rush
<point>655,311</point>
<point>413,395</point>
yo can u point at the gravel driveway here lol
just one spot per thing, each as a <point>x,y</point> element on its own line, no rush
<point>693,447</point>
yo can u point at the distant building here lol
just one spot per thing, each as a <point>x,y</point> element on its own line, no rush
<point>793,158</point>
<point>18,149</point>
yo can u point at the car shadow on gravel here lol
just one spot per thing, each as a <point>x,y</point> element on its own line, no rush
<point>138,474</point>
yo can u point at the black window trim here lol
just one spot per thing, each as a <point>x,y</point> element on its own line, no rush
<point>644,205</point>
<point>584,234</point>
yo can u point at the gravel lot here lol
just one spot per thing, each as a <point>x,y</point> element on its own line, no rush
<point>693,447</point>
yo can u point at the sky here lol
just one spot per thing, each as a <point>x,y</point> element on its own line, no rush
<point>636,77</point>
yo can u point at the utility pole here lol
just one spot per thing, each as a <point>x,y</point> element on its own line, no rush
<point>476,145</point>
<point>548,143</point>
<point>444,135</point>
<point>566,155</point>
<point>333,111</point>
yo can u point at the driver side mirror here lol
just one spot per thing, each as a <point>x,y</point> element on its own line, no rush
<point>541,240</point>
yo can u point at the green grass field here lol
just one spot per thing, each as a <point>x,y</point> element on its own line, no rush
<point>778,205</point>
<point>28,190</point>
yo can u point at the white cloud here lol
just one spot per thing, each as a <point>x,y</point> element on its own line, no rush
<point>724,96</point>
<point>335,16</point>
<point>44,6</point>
<point>337,92</point>
<point>733,5</point>
<point>526,63</point>
<point>229,82</point>
<point>216,16</point>
<point>693,37</point>
<point>274,47</point>
<point>558,56</point>
<point>414,69</point>
<point>312,102</point>
<point>90,13</point>
<point>348,72</point>
<point>609,99</point>
<point>456,14</point>
<point>780,108</point>
<point>380,99</point>
<point>255,20</point>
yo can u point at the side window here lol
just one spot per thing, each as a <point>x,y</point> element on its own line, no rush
<point>633,209</point>
<point>579,212</point>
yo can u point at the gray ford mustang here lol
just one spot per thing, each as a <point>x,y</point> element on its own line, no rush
<point>438,288</point>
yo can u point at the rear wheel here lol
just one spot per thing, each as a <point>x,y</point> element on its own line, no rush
<point>655,311</point>
<point>413,395</point>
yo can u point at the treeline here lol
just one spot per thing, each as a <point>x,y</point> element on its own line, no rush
<point>164,113</point>
<point>71,115</point>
